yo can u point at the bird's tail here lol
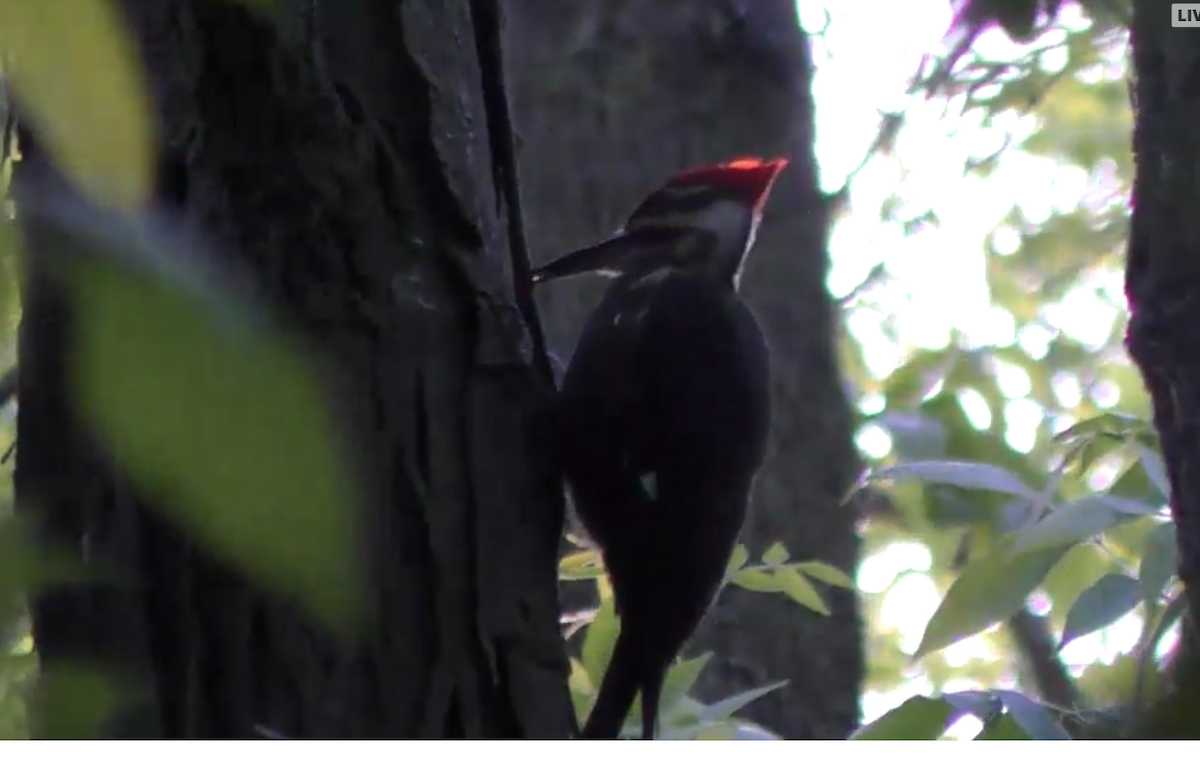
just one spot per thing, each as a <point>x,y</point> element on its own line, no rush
<point>617,691</point>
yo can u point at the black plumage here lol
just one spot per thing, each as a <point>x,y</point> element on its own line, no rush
<point>663,418</point>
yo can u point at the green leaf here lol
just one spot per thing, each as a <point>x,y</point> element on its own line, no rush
<point>917,376</point>
<point>917,719</point>
<point>1171,614</point>
<point>756,580</point>
<point>77,701</point>
<point>1159,560</point>
<point>983,704</point>
<point>599,640</point>
<point>824,572</point>
<point>793,584</point>
<point>722,732</point>
<point>1153,465</point>
<point>1033,717</point>
<point>582,689</point>
<point>220,420</point>
<point>76,69</point>
<point>990,588</point>
<point>736,560</point>
<point>777,554</point>
<point>580,566</point>
<point>727,707</point>
<point>1069,524</point>
<point>1100,605</point>
<point>967,475</point>
<point>680,679</point>
<point>1111,422</point>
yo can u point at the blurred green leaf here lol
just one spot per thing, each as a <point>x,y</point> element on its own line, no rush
<point>1003,728</point>
<point>920,373</point>
<point>1159,560</point>
<point>1032,717</point>
<point>1111,422</point>
<point>967,475</point>
<point>727,707</point>
<point>76,702</point>
<point>599,640</point>
<point>680,679</point>
<point>736,560</point>
<point>777,554</point>
<point>580,566</point>
<point>824,572</point>
<point>1170,616</point>
<point>582,689</point>
<point>989,589</point>
<point>78,74</point>
<point>1102,604</point>
<point>1153,465</point>
<point>1070,523</point>
<point>756,580</point>
<point>917,719</point>
<point>221,421</point>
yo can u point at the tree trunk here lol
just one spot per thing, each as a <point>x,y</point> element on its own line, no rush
<point>611,100</point>
<point>354,162</point>
<point>1163,286</point>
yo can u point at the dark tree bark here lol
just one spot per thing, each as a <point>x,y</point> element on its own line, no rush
<point>1163,286</point>
<point>611,100</point>
<point>354,163</point>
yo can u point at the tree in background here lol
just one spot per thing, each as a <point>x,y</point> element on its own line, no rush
<point>610,100</point>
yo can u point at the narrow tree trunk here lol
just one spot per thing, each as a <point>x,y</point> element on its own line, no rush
<point>611,100</point>
<point>354,164</point>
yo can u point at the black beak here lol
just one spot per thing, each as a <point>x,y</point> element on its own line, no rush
<point>646,248</point>
<point>605,256</point>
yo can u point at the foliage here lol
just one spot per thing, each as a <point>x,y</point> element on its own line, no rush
<point>1002,503</point>
<point>681,716</point>
<point>215,412</point>
<point>998,579</point>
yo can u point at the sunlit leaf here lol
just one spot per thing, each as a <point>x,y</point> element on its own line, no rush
<point>77,73</point>
<point>1100,605</point>
<point>917,719</point>
<point>990,589</point>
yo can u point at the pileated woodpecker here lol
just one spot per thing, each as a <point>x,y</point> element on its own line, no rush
<point>663,416</point>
